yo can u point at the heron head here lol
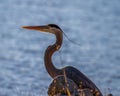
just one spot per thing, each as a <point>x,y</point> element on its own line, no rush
<point>51,28</point>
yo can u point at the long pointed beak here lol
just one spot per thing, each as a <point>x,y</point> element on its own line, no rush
<point>39,28</point>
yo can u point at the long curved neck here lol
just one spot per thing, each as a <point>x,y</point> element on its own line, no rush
<point>51,69</point>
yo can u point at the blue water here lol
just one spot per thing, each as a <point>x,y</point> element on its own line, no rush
<point>94,24</point>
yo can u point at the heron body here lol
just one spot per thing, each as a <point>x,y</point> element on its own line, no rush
<point>72,73</point>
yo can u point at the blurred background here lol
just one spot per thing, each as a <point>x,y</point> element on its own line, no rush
<point>94,24</point>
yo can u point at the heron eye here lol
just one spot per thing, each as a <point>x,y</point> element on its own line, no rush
<point>54,26</point>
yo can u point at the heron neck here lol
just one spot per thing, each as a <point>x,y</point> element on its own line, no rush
<point>51,69</point>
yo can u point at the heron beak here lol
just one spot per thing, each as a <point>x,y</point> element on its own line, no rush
<point>39,28</point>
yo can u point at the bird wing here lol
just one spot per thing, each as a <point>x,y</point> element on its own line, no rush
<point>80,79</point>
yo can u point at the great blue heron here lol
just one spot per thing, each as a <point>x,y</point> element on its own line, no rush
<point>78,77</point>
